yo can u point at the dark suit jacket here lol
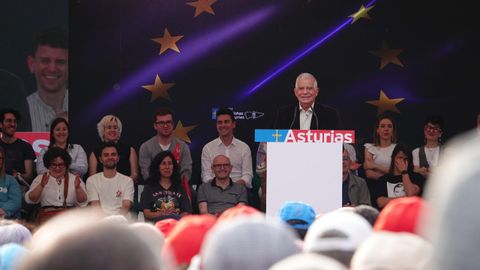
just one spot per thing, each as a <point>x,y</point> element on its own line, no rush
<point>324,117</point>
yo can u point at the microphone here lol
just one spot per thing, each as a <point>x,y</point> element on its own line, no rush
<point>316,118</point>
<point>294,116</point>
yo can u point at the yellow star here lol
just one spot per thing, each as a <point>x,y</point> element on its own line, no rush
<point>202,6</point>
<point>159,89</point>
<point>168,42</point>
<point>385,104</point>
<point>181,132</point>
<point>388,55</point>
<point>361,13</point>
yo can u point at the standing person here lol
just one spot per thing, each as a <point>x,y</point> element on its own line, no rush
<point>426,157</point>
<point>49,64</point>
<point>164,196</point>
<point>57,189</point>
<point>10,195</point>
<point>226,144</point>
<point>378,154</point>
<point>220,193</point>
<point>19,154</point>
<point>400,181</point>
<point>110,190</point>
<point>165,140</point>
<point>306,113</point>
<point>60,137</point>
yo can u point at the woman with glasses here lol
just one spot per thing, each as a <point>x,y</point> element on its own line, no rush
<point>163,196</point>
<point>56,189</point>
<point>60,137</point>
<point>426,157</point>
<point>400,181</point>
<point>109,130</point>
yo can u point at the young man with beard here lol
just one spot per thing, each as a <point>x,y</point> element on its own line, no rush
<point>110,190</point>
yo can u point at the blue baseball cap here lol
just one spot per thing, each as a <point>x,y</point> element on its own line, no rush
<point>297,211</point>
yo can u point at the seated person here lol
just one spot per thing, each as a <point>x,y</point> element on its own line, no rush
<point>401,181</point>
<point>10,195</point>
<point>109,189</point>
<point>56,189</point>
<point>354,188</point>
<point>221,192</point>
<point>164,196</point>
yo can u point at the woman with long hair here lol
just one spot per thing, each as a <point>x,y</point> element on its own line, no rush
<point>163,196</point>
<point>60,137</point>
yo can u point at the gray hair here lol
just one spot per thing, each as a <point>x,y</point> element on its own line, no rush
<point>306,75</point>
<point>104,121</point>
<point>11,232</point>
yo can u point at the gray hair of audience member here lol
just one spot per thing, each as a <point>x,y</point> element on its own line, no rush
<point>337,235</point>
<point>306,75</point>
<point>106,120</point>
<point>258,243</point>
<point>80,239</point>
<point>150,234</point>
<point>393,251</point>
<point>116,219</point>
<point>11,254</point>
<point>308,261</point>
<point>368,212</point>
<point>452,192</point>
<point>12,232</point>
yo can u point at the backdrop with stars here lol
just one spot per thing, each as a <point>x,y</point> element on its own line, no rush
<point>406,58</point>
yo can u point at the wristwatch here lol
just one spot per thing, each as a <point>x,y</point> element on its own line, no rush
<point>404,172</point>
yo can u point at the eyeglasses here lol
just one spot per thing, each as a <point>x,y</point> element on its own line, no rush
<point>218,166</point>
<point>433,128</point>
<point>164,123</point>
<point>346,158</point>
<point>57,165</point>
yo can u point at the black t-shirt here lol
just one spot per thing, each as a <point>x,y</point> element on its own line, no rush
<point>170,202</point>
<point>391,186</point>
<point>15,155</point>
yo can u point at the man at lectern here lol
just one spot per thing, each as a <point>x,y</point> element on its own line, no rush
<point>306,113</point>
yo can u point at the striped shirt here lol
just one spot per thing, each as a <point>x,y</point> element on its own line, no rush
<point>42,114</point>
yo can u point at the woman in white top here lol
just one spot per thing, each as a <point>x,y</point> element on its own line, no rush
<point>378,155</point>
<point>60,137</point>
<point>56,189</point>
<point>426,157</point>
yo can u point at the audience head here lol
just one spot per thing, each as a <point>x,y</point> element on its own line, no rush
<point>163,122</point>
<point>385,129</point>
<point>308,261</point>
<point>150,235</point>
<point>8,121</point>
<point>57,160</point>
<point>11,255</point>
<point>258,244</point>
<point>59,132</point>
<point>186,238</point>
<point>450,223</point>
<point>239,211</point>
<point>165,226</point>
<point>401,215</point>
<point>401,151</point>
<point>12,232</point>
<point>368,212</point>
<point>221,167</point>
<point>78,239</point>
<point>109,155</point>
<point>393,251</point>
<point>225,122</point>
<point>433,127</point>
<point>298,215</point>
<point>337,234</point>
<point>306,89</point>
<point>109,128</point>
<point>164,165</point>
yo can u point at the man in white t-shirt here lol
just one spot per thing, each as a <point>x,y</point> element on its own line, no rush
<point>110,190</point>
